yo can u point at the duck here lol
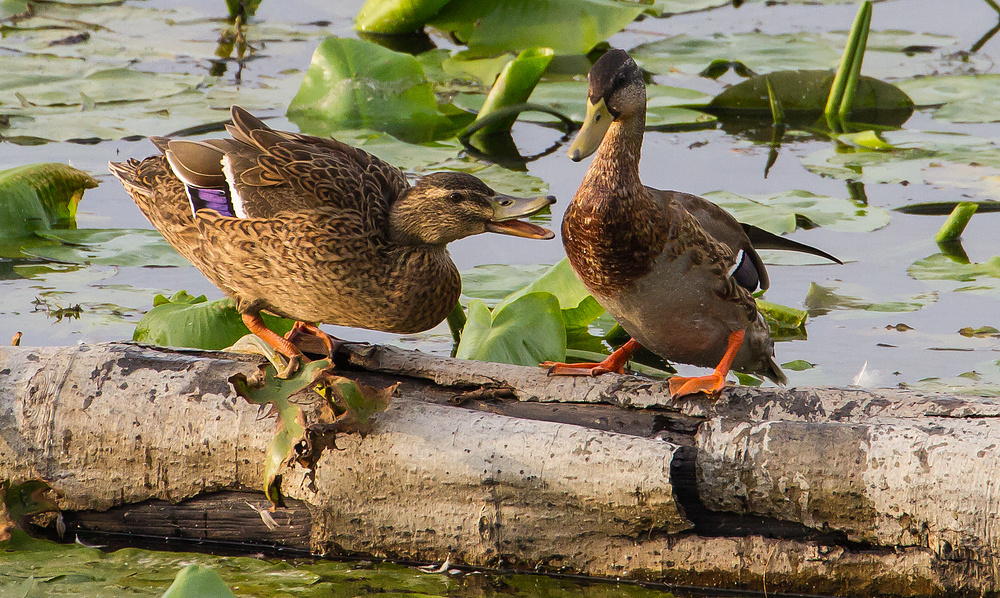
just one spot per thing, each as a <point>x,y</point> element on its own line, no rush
<point>675,270</point>
<point>317,231</point>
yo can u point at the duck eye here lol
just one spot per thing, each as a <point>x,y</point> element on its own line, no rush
<point>621,79</point>
<point>455,196</point>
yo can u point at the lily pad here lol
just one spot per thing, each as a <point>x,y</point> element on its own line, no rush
<point>952,159</point>
<point>107,247</point>
<point>822,300</point>
<point>38,197</point>
<point>526,331</point>
<point>513,86</point>
<point>579,309</point>
<point>665,105</point>
<point>888,53</point>
<point>959,98</point>
<point>942,267</point>
<point>354,83</point>
<point>492,282</point>
<point>186,321</point>
<point>790,210</point>
<point>566,26</point>
<point>803,95</point>
<point>395,17</point>
<point>195,581</point>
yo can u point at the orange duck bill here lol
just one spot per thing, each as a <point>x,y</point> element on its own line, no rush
<point>507,210</point>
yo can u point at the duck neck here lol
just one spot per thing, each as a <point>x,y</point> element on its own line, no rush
<point>614,173</point>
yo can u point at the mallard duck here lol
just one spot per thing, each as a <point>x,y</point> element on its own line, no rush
<point>317,231</point>
<point>674,269</point>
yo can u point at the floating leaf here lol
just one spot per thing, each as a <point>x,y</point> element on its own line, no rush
<point>513,86</point>
<point>395,17</point>
<point>888,54</point>
<point>803,95</point>
<point>527,331</point>
<point>959,98</point>
<point>941,267</point>
<point>354,83</point>
<point>787,211</point>
<point>944,208</point>
<point>865,139</point>
<point>566,26</point>
<point>981,332</point>
<point>195,581</point>
<point>822,300</point>
<point>781,316</point>
<point>664,104</point>
<point>107,247</point>
<point>492,282</point>
<point>38,197</point>
<point>798,365</point>
<point>186,321</point>
<point>579,309</point>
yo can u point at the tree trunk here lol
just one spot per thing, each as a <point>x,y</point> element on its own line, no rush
<point>846,492</point>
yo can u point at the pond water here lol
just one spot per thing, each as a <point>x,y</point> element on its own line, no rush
<point>840,340</point>
<point>929,352</point>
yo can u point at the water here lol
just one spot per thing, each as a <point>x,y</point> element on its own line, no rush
<point>694,161</point>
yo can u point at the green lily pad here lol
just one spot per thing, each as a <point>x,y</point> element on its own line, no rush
<point>566,26</point>
<point>579,309</point>
<point>822,300</point>
<point>798,365</point>
<point>888,52</point>
<point>803,94</point>
<point>787,211</point>
<point>186,321</point>
<point>664,104</point>
<point>107,247</point>
<point>527,331</point>
<point>952,159</point>
<point>195,581</point>
<point>960,98</point>
<point>492,282</point>
<point>38,197</point>
<point>941,267</point>
<point>513,86</point>
<point>354,83</point>
<point>395,17</point>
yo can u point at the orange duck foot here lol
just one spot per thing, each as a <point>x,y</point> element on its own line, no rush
<point>311,334</point>
<point>615,363</point>
<point>256,325</point>
<point>713,383</point>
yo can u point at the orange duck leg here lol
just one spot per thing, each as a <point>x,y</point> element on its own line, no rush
<point>306,330</point>
<point>614,363</point>
<point>713,383</point>
<point>280,344</point>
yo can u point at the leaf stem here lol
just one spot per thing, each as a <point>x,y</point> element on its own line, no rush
<point>956,222</point>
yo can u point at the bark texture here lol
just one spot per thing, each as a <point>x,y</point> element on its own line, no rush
<point>836,491</point>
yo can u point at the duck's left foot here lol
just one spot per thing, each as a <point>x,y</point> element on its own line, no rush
<point>308,337</point>
<point>613,363</point>
<point>711,384</point>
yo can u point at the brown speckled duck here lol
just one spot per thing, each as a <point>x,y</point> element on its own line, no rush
<point>675,270</point>
<point>317,231</point>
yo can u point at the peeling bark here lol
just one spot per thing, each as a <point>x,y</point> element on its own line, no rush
<point>839,491</point>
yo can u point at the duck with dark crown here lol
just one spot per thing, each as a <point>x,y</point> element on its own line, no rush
<point>675,270</point>
<point>317,231</point>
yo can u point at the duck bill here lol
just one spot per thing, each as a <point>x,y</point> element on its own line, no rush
<point>595,125</point>
<point>507,210</point>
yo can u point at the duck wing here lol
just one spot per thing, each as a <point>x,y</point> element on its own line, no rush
<point>262,172</point>
<point>747,268</point>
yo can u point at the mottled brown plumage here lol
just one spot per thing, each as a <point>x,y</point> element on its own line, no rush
<point>674,269</point>
<point>325,232</point>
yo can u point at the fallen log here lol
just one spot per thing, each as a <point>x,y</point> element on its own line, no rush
<point>838,491</point>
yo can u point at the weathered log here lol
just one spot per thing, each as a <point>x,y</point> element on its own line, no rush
<point>809,490</point>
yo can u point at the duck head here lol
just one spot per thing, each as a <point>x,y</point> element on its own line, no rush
<point>617,91</point>
<point>447,206</point>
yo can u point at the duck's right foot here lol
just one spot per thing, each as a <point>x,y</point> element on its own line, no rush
<point>614,363</point>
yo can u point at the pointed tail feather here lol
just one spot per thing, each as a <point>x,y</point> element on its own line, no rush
<point>761,239</point>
